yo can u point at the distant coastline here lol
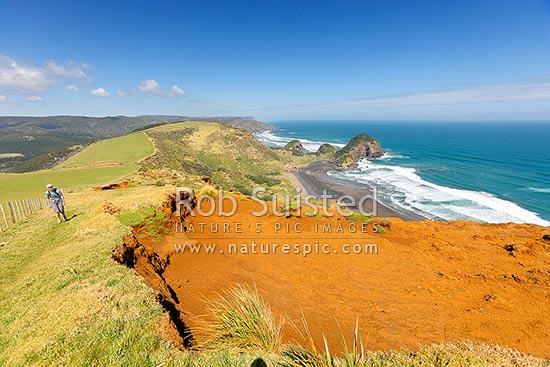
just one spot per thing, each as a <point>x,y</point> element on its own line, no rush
<point>444,171</point>
<point>315,179</point>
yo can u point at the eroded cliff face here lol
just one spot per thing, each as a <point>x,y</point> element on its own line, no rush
<point>475,278</point>
<point>360,147</point>
<point>136,253</point>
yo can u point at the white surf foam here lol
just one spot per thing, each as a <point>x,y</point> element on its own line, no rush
<point>403,188</point>
<point>271,139</point>
<point>539,189</point>
<point>391,155</point>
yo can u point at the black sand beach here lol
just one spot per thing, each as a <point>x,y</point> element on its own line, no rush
<point>314,179</point>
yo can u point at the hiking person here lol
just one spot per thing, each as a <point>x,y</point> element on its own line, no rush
<point>56,201</point>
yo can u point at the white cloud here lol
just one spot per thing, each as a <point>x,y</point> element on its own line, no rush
<point>22,77</point>
<point>100,92</point>
<point>34,99</point>
<point>149,86</point>
<point>6,100</point>
<point>152,88</point>
<point>534,89</point>
<point>28,78</point>
<point>71,70</point>
<point>176,91</point>
<point>121,94</point>
<point>71,88</point>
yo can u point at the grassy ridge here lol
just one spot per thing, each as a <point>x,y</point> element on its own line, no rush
<point>231,157</point>
<point>64,302</point>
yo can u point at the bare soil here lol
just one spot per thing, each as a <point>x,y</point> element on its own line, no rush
<point>430,282</point>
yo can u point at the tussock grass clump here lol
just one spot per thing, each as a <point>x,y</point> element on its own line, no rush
<point>298,356</point>
<point>208,190</point>
<point>240,320</point>
<point>455,354</point>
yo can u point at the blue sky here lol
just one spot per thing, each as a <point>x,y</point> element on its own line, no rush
<point>394,60</point>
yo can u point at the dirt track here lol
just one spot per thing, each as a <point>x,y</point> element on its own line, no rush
<point>430,282</point>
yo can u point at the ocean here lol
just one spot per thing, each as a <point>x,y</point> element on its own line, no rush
<point>487,172</point>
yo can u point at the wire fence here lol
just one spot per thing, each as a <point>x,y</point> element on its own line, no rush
<point>13,212</point>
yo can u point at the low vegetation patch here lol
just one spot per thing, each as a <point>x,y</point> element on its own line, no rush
<point>240,320</point>
<point>150,221</point>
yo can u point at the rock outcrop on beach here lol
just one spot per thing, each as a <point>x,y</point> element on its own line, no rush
<point>361,146</point>
<point>295,146</point>
<point>326,149</point>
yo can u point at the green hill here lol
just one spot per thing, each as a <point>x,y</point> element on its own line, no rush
<point>126,149</point>
<point>229,156</point>
<point>185,153</point>
<point>103,162</point>
<point>30,143</point>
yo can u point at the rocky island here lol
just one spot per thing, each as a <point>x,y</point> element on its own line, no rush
<point>296,147</point>
<point>361,146</point>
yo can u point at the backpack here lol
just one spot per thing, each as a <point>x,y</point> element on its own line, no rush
<point>54,195</point>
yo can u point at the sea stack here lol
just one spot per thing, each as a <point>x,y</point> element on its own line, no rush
<point>326,149</point>
<point>296,147</point>
<point>361,146</point>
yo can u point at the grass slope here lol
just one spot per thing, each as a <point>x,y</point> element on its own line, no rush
<point>14,186</point>
<point>103,162</point>
<point>118,151</point>
<point>65,302</point>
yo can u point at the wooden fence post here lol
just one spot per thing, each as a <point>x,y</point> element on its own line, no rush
<point>21,209</point>
<point>17,210</point>
<point>10,209</point>
<point>14,210</point>
<point>4,215</point>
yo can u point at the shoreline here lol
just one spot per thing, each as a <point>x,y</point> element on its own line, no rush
<point>313,178</point>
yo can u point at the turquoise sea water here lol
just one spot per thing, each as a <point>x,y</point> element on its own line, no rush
<point>490,172</point>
